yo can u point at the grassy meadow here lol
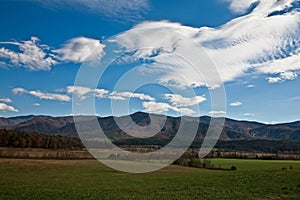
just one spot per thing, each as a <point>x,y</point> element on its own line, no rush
<point>89,179</point>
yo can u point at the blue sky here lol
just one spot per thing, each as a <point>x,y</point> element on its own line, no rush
<point>254,51</point>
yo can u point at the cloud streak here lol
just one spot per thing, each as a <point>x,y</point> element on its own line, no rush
<point>49,96</point>
<point>128,95</point>
<point>217,112</point>
<point>5,107</point>
<point>248,114</point>
<point>178,103</point>
<point>116,10</point>
<point>235,104</point>
<point>42,95</point>
<point>5,100</point>
<point>82,92</point>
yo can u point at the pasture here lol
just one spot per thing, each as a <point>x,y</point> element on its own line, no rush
<point>89,179</point>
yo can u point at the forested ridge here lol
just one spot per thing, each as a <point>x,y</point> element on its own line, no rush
<point>22,139</point>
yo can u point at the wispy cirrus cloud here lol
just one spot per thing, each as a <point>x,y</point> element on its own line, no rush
<point>263,41</point>
<point>115,10</point>
<point>31,55</point>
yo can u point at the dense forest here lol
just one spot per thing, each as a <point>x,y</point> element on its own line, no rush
<point>260,146</point>
<point>265,146</point>
<point>22,139</point>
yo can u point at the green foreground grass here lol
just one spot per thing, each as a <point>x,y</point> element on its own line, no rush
<point>89,179</point>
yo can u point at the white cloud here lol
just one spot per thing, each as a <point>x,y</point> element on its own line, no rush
<point>217,112</point>
<point>5,107</point>
<point>101,93</point>
<point>175,59</point>
<point>180,101</point>
<point>78,91</point>
<point>235,104</point>
<point>81,93</point>
<point>80,49</point>
<point>31,55</point>
<point>158,107</point>
<point>5,100</point>
<point>42,95</point>
<point>119,10</point>
<point>288,75</point>
<point>35,56</point>
<point>248,114</point>
<point>50,96</point>
<point>240,6</point>
<point>287,64</point>
<point>184,111</point>
<point>19,91</point>
<point>37,104</point>
<point>117,98</point>
<point>273,79</point>
<point>251,86</point>
<point>282,77</point>
<point>259,42</point>
<point>127,95</point>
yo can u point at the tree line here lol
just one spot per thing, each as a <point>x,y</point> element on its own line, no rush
<point>22,139</point>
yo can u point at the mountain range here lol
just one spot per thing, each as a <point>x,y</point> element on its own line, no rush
<point>232,130</point>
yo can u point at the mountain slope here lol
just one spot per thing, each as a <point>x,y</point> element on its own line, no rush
<point>232,130</point>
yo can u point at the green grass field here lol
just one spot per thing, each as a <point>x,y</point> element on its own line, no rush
<point>89,179</point>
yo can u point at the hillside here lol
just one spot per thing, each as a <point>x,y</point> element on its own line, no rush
<point>233,130</point>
